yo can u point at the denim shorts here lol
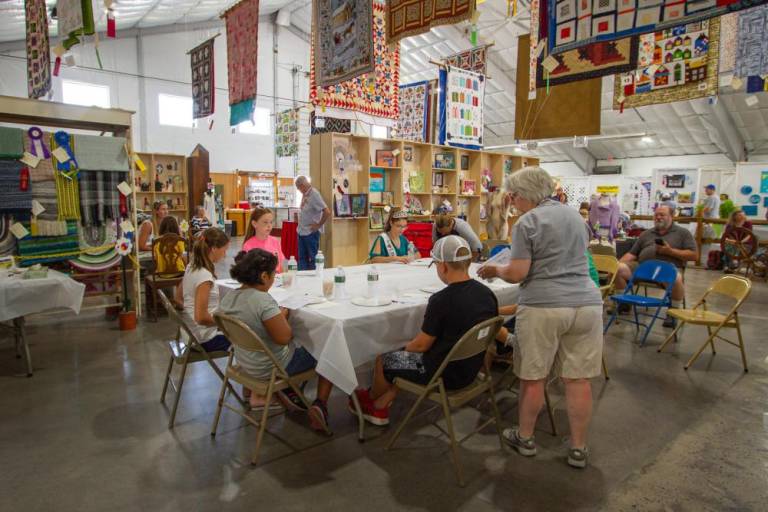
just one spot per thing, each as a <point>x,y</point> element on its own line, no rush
<point>301,361</point>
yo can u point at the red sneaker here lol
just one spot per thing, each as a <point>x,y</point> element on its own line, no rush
<point>363,397</point>
<point>371,414</point>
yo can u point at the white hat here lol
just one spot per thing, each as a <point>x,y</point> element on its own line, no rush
<point>446,249</point>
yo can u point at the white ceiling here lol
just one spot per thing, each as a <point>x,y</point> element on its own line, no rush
<point>682,128</point>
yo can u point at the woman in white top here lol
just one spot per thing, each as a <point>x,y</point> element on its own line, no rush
<point>198,290</point>
<point>147,228</point>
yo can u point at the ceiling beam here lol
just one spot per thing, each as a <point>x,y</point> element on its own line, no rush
<point>579,156</point>
<point>730,136</point>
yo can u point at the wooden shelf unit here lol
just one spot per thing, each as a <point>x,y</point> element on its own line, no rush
<point>346,241</point>
<point>175,191</point>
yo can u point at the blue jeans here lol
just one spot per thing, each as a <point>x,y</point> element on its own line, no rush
<point>301,361</point>
<point>216,344</point>
<point>308,245</point>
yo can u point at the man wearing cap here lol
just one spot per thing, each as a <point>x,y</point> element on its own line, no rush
<point>710,203</point>
<point>450,313</point>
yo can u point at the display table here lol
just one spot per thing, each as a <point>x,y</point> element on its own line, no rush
<point>289,239</point>
<point>21,297</point>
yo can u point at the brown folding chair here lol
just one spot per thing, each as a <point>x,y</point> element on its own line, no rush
<point>165,255</point>
<point>606,265</point>
<point>733,287</point>
<point>242,336</point>
<point>184,354</point>
<point>475,341</point>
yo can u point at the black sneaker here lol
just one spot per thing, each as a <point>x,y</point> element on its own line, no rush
<point>670,322</point>
<point>318,416</point>
<point>524,446</point>
<point>291,400</point>
<point>578,457</point>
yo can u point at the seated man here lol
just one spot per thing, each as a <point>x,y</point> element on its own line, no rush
<point>450,313</point>
<point>666,241</point>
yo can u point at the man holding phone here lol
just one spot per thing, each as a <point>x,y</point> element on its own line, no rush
<point>666,241</point>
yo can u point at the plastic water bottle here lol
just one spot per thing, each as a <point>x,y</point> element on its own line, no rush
<point>412,253</point>
<point>340,284</point>
<point>373,282</point>
<point>292,269</point>
<point>319,263</point>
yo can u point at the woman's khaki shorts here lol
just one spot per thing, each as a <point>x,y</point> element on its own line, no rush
<point>570,337</point>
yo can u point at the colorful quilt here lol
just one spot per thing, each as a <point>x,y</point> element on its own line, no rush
<point>376,93</point>
<point>462,108</point>
<point>412,124</point>
<point>473,59</point>
<point>596,59</point>
<point>729,34</point>
<point>678,63</point>
<point>287,132</point>
<point>38,51</point>
<point>412,17</point>
<point>577,23</point>
<point>536,17</point>
<point>203,84</point>
<point>343,40</point>
<point>242,23</point>
<point>752,48</point>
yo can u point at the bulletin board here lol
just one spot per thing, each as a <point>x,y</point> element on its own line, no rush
<point>632,192</point>
<point>752,189</point>
<point>680,183</point>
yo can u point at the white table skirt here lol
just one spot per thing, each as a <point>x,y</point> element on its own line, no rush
<point>342,336</point>
<point>20,297</point>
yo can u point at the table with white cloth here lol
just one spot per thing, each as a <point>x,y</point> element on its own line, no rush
<point>20,297</point>
<point>342,336</point>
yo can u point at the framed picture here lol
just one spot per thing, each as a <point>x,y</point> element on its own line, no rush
<point>342,206</point>
<point>376,220</point>
<point>375,198</point>
<point>407,153</point>
<point>359,205</point>
<point>468,187</point>
<point>388,198</point>
<point>684,197</point>
<point>376,181</point>
<point>464,162</point>
<point>675,180</point>
<point>385,158</point>
<point>416,183</point>
<point>437,179</point>
<point>445,161</point>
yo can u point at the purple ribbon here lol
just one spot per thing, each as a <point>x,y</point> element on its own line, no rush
<point>62,140</point>
<point>37,146</point>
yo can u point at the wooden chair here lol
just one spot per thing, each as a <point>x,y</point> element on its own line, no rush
<point>166,256</point>
<point>742,247</point>
<point>184,354</point>
<point>242,336</point>
<point>734,287</point>
<point>475,341</point>
<point>606,265</point>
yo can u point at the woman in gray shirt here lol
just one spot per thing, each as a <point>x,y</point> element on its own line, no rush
<point>560,313</point>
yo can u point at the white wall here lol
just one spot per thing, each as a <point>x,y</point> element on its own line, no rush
<point>643,167</point>
<point>164,57</point>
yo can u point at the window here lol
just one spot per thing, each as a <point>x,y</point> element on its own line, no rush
<point>85,94</point>
<point>378,132</point>
<point>260,124</point>
<point>175,110</point>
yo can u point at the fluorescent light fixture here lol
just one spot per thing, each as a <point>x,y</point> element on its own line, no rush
<point>646,139</point>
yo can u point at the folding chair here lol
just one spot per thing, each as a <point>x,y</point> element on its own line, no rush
<point>652,271</point>
<point>475,341</point>
<point>184,354</point>
<point>646,284</point>
<point>240,335</point>
<point>734,287</point>
<point>609,265</point>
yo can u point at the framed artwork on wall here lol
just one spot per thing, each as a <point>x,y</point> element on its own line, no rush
<point>342,206</point>
<point>376,220</point>
<point>385,158</point>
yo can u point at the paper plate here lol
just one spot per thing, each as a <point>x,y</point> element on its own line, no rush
<point>371,302</point>
<point>432,289</point>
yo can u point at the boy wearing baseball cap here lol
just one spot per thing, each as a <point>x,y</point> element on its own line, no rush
<point>450,313</point>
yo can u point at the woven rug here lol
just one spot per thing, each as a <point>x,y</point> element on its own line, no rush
<point>242,23</point>
<point>12,198</point>
<point>752,49</point>
<point>67,190</point>
<point>414,99</point>
<point>97,244</point>
<point>464,96</point>
<point>596,59</point>
<point>376,93</point>
<point>330,125</point>
<point>203,84</point>
<point>44,169</point>
<point>47,249</point>
<point>11,142</point>
<point>75,19</point>
<point>473,59</point>
<point>99,196</point>
<point>96,153</point>
<point>343,41</point>
<point>682,66</point>
<point>287,132</point>
<point>38,51</point>
<point>412,17</point>
<point>44,192</point>
<point>7,240</point>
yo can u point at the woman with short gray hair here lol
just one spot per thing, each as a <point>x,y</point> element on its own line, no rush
<point>560,313</point>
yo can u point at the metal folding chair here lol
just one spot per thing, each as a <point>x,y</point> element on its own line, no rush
<point>607,266</point>
<point>475,341</point>
<point>653,271</point>
<point>734,287</point>
<point>240,335</point>
<point>184,354</point>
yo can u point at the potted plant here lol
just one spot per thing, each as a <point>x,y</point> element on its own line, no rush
<point>127,317</point>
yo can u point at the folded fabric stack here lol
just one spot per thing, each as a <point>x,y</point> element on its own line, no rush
<point>47,249</point>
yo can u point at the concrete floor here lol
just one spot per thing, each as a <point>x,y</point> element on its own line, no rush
<point>87,433</point>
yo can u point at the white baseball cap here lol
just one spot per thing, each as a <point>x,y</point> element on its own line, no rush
<point>446,249</point>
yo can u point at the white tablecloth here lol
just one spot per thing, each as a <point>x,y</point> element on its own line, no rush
<point>342,336</point>
<point>20,297</point>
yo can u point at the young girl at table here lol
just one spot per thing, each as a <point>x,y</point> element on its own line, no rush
<point>391,246</point>
<point>441,329</point>
<point>257,236</point>
<point>252,304</point>
<point>198,292</point>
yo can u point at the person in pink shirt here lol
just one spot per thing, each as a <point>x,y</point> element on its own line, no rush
<point>257,236</point>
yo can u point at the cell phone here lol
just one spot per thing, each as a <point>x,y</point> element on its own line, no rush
<point>659,241</point>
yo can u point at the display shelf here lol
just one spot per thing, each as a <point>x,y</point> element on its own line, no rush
<point>166,176</point>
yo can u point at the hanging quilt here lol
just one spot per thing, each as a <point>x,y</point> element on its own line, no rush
<point>376,93</point>
<point>596,59</point>
<point>679,63</point>
<point>287,132</point>
<point>473,59</point>
<point>242,23</point>
<point>462,105</point>
<point>752,48</point>
<point>38,52</point>
<point>203,85</point>
<point>407,18</point>
<point>343,40</point>
<point>577,23</point>
<point>99,196</point>
<point>412,124</point>
<point>533,55</point>
<point>329,124</point>
<point>729,35</point>
<point>75,18</point>
<point>15,194</point>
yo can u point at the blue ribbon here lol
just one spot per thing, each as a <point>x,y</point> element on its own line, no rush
<point>62,140</point>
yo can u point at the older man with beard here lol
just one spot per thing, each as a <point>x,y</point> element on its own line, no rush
<point>666,241</point>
